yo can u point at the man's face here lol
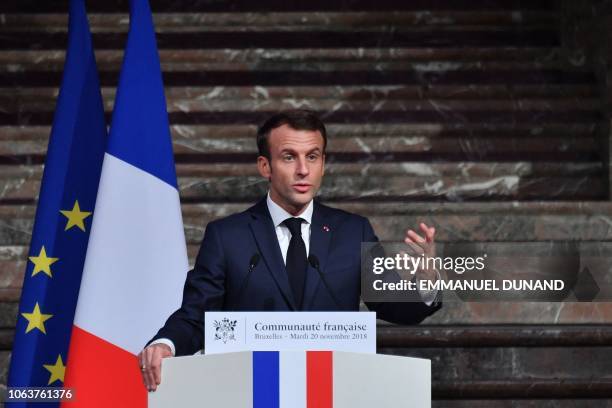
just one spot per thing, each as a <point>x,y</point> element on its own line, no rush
<point>295,168</point>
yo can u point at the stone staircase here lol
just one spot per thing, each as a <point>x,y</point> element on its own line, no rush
<point>469,115</point>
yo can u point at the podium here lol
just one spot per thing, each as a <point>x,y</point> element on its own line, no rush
<point>295,379</point>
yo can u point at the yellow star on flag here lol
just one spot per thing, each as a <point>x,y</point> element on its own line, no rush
<point>36,320</point>
<point>42,263</point>
<point>57,370</point>
<point>75,217</point>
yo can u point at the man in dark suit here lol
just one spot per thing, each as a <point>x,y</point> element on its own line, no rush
<point>266,258</point>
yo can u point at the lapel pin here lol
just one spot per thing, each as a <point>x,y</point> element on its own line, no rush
<point>325,228</point>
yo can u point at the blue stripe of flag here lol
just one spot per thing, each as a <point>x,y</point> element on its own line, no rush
<point>140,130</point>
<point>266,392</point>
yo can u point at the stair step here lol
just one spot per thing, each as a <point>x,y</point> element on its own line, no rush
<point>196,59</point>
<point>18,138</point>
<point>521,389</point>
<point>309,78</point>
<point>535,118</point>
<point>114,6</point>
<point>22,183</point>
<point>455,222</point>
<point>320,39</point>
<point>200,167</point>
<point>536,336</point>
<point>357,65</point>
<point>36,105</point>
<point>198,147</point>
<point>514,96</point>
<point>292,21</point>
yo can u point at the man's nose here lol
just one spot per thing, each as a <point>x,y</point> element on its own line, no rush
<point>302,167</point>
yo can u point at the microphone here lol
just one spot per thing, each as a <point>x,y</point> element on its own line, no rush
<point>254,261</point>
<point>314,262</point>
<point>252,264</point>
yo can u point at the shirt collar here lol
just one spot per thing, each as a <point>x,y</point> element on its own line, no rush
<point>279,214</point>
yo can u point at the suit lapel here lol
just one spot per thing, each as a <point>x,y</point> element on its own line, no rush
<point>320,238</point>
<point>267,243</point>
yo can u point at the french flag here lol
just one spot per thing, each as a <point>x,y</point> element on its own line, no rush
<point>136,259</point>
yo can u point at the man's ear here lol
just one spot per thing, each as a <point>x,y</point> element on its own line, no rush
<point>264,168</point>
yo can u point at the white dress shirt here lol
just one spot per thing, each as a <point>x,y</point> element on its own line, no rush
<point>279,214</point>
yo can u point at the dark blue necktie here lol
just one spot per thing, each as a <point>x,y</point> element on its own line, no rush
<point>296,259</point>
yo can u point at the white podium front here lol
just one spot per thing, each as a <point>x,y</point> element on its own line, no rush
<point>293,379</point>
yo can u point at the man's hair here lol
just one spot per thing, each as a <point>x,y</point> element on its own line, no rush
<point>298,119</point>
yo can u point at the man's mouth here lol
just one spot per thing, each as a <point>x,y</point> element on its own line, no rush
<point>302,187</point>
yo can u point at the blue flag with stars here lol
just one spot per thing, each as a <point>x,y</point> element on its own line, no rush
<point>63,218</point>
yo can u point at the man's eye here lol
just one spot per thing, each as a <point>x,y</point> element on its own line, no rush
<point>313,157</point>
<point>288,157</point>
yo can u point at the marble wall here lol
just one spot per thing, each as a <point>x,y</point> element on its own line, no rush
<point>489,119</point>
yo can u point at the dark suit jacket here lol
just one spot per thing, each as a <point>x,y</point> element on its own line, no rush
<point>218,279</point>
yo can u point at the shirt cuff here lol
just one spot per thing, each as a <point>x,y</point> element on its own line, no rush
<point>429,296</point>
<point>167,342</point>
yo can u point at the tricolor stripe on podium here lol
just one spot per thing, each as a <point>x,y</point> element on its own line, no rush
<point>292,380</point>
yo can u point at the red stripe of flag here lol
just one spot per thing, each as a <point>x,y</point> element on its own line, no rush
<point>319,379</point>
<point>102,375</point>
